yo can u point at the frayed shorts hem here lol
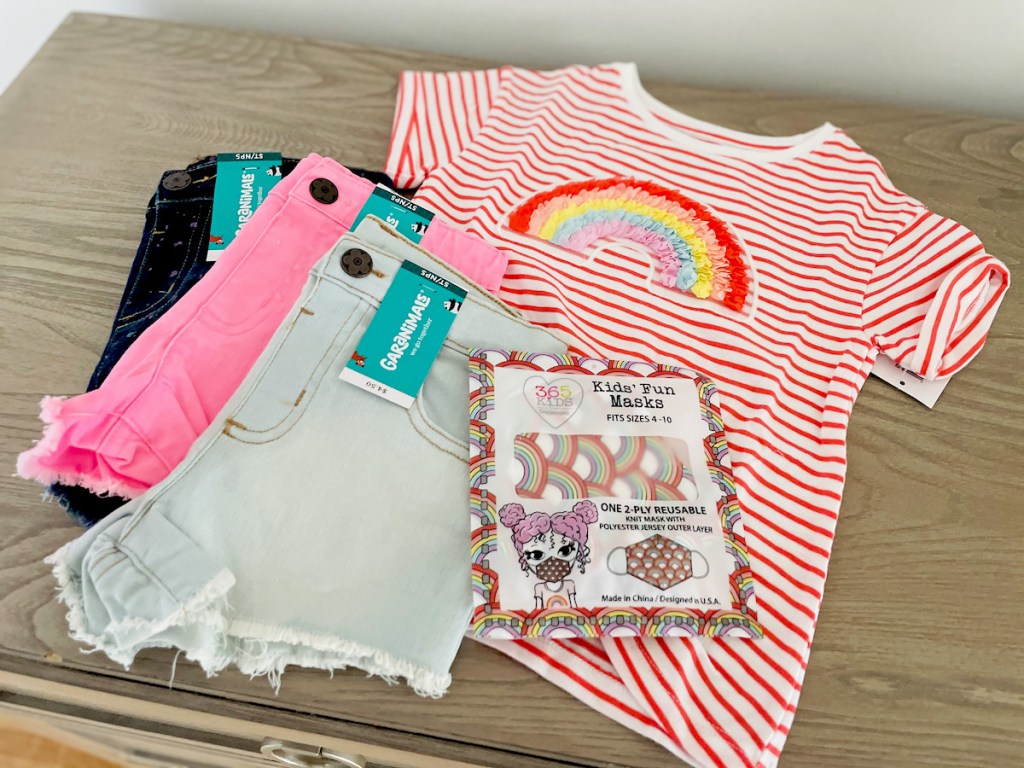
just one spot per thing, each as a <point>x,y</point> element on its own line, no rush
<point>35,463</point>
<point>257,649</point>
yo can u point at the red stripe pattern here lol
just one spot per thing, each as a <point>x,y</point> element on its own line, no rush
<point>847,266</point>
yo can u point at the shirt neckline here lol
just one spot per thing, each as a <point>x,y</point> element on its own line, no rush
<point>780,148</point>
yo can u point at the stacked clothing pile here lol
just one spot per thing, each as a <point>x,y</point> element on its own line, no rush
<point>250,509</point>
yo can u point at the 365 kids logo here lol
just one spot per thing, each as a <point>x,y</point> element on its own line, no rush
<point>555,400</point>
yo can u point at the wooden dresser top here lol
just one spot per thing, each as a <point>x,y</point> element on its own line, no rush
<point>918,653</point>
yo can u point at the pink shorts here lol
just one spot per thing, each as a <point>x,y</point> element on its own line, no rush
<point>131,432</point>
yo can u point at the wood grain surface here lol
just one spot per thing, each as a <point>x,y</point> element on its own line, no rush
<point>918,654</point>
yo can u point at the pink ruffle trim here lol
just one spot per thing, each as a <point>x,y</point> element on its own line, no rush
<point>36,462</point>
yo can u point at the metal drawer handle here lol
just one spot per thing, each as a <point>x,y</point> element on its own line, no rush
<point>303,756</point>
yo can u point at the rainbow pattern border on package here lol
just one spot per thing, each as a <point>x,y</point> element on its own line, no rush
<point>739,620</point>
<point>604,467</point>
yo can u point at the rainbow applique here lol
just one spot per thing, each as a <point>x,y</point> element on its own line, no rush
<point>696,252</point>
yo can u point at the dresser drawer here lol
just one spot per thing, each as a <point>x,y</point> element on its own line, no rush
<point>159,736</point>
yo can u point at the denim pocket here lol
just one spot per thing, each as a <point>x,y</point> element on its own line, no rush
<point>440,412</point>
<point>170,260</point>
<point>304,351</point>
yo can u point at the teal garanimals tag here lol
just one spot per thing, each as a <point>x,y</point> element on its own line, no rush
<point>401,214</point>
<point>244,179</point>
<point>395,354</point>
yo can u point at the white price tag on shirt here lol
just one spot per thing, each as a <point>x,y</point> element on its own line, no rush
<point>922,390</point>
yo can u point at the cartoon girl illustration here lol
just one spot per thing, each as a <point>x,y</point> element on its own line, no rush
<point>549,545</point>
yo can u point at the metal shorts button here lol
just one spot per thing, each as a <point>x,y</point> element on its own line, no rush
<point>323,191</point>
<point>356,262</point>
<point>176,180</point>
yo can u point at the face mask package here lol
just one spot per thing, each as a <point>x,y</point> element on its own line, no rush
<point>602,502</point>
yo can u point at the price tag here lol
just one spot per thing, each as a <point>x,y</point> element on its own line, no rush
<point>922,390</point>
<point>244,179</point>
<point>395,354</point>
<point>401,214</point>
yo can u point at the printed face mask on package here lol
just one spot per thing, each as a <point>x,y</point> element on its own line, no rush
<point>603,502</point>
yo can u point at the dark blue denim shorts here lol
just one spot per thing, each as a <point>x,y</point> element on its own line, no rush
<point>170,259</point>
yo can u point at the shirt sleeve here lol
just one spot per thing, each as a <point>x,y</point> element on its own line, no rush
<point>933,295</point>
<point>436,115</point>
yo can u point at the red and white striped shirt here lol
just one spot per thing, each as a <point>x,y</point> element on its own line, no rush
<point>842,265</point>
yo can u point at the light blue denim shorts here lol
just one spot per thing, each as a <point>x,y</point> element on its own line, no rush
<point>312,523</point>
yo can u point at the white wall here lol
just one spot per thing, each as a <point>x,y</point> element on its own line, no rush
<point>965,55</point>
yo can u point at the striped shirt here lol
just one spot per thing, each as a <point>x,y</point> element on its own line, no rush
<point>842,266</point>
